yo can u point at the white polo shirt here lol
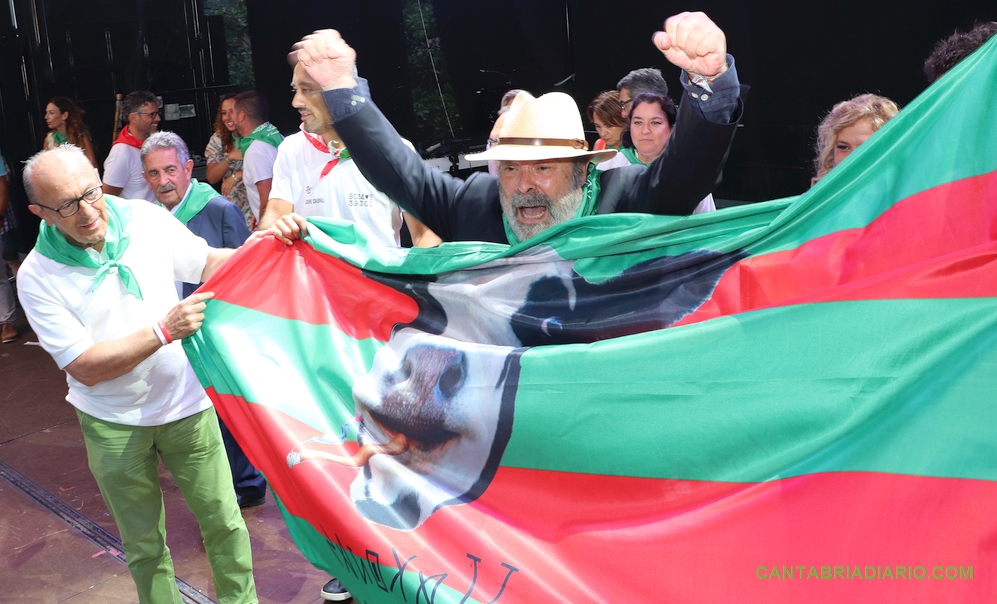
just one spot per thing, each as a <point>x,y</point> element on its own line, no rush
<point>342,193</point>
<point>257,165</point>
<point>69,318</point>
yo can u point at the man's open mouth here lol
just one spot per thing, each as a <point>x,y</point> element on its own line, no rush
<point>531,214</point>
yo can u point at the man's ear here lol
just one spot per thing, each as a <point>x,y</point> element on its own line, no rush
<point>189,168</point>
<point>39,212</point>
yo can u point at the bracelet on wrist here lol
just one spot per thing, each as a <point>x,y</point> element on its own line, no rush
<point>166,339</point>
<point>159,333</point>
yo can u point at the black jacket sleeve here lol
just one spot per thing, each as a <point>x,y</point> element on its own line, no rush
<point>688,170</point>
<point>451,207</point>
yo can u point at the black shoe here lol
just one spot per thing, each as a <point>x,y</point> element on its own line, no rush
<point>246,502</point>
<point>334,591</point>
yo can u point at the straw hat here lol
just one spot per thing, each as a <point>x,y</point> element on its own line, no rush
<point>548,127</point>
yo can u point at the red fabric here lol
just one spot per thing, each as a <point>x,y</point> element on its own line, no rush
<point>338,292</point>
<point>957,258</point>
<point>319,144</point>
<point>125,137</point>
<point>749,528</point>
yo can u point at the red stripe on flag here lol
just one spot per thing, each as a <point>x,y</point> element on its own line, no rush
<point>581,538</point>
<point>326,289</point>
<point>937,244</point>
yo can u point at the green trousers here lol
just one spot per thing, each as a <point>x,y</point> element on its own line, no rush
<point>124,460</point>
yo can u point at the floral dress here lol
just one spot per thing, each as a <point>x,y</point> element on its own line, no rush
<point>215,154</point>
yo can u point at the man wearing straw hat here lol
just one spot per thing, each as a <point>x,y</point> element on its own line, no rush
<point>545,176</point>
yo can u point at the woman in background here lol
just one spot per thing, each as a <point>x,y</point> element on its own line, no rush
<point>652,117</point>
<point>847,126</point>
<point>65,122</point>
<point>604,113</point>
<point>225,159</point>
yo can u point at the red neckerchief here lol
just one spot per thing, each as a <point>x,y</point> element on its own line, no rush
<point>126,138</point>
<point>318,143</point>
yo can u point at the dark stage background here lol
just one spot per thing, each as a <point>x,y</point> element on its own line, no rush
<point>798,58</point>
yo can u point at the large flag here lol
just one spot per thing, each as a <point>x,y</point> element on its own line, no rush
<point>791,401</point>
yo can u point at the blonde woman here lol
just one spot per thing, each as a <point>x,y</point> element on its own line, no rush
<point>847,126</point>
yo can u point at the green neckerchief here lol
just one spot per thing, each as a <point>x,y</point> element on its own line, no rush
<point>631,154</point>
<point>58,138</point>
<point>52,244</point>
<point>198,196</point>
<point>590,195</point>
<point>265,132</point>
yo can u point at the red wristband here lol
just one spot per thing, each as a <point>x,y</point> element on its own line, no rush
<point>166,334</point>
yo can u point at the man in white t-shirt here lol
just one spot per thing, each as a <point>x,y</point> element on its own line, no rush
<point>123,166</point>
<point>98,291</point>
<point>314,176</point>
<point>258,142</point>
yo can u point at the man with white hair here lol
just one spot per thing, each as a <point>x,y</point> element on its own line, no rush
<point>98,290</point>
<point>167,167</point>
<point>545,175</point>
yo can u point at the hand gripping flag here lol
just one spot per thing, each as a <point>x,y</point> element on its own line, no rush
<point>785,402</point>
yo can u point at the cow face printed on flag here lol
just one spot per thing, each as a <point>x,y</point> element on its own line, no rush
<point>435,411</point>
<point>447,408</point>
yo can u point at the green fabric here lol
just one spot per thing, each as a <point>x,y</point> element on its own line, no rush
<point>590,195</point>
<point>124,461</point>
<point>311,342</point>
<point>265,132</point>
<point>198,196</point>
<point>631,154</point>
<point>851,396</point>
<point>856,389</point>
<point>358,570</point>
<point>58,138</point>
<point>52,244</point>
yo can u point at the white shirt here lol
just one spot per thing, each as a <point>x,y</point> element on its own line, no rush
<point>69,318</point>
<point>257,165</point>
<point>342,193</point>
<point>123,168</point>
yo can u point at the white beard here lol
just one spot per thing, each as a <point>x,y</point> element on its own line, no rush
<point>558,211</point>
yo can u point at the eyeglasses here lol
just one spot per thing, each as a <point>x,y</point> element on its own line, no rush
<point>73,206</point>
<point>159,113</point>
<point>623,104</point>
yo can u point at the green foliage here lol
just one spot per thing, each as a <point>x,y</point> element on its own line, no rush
<point>430,105</point>
<point>238,46</point>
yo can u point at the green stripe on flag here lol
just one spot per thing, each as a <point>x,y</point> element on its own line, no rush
<point>781,392</point>
<point>368,579</point>
<point>294,366</point>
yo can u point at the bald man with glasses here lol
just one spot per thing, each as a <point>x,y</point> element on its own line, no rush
<point>98,290</point>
